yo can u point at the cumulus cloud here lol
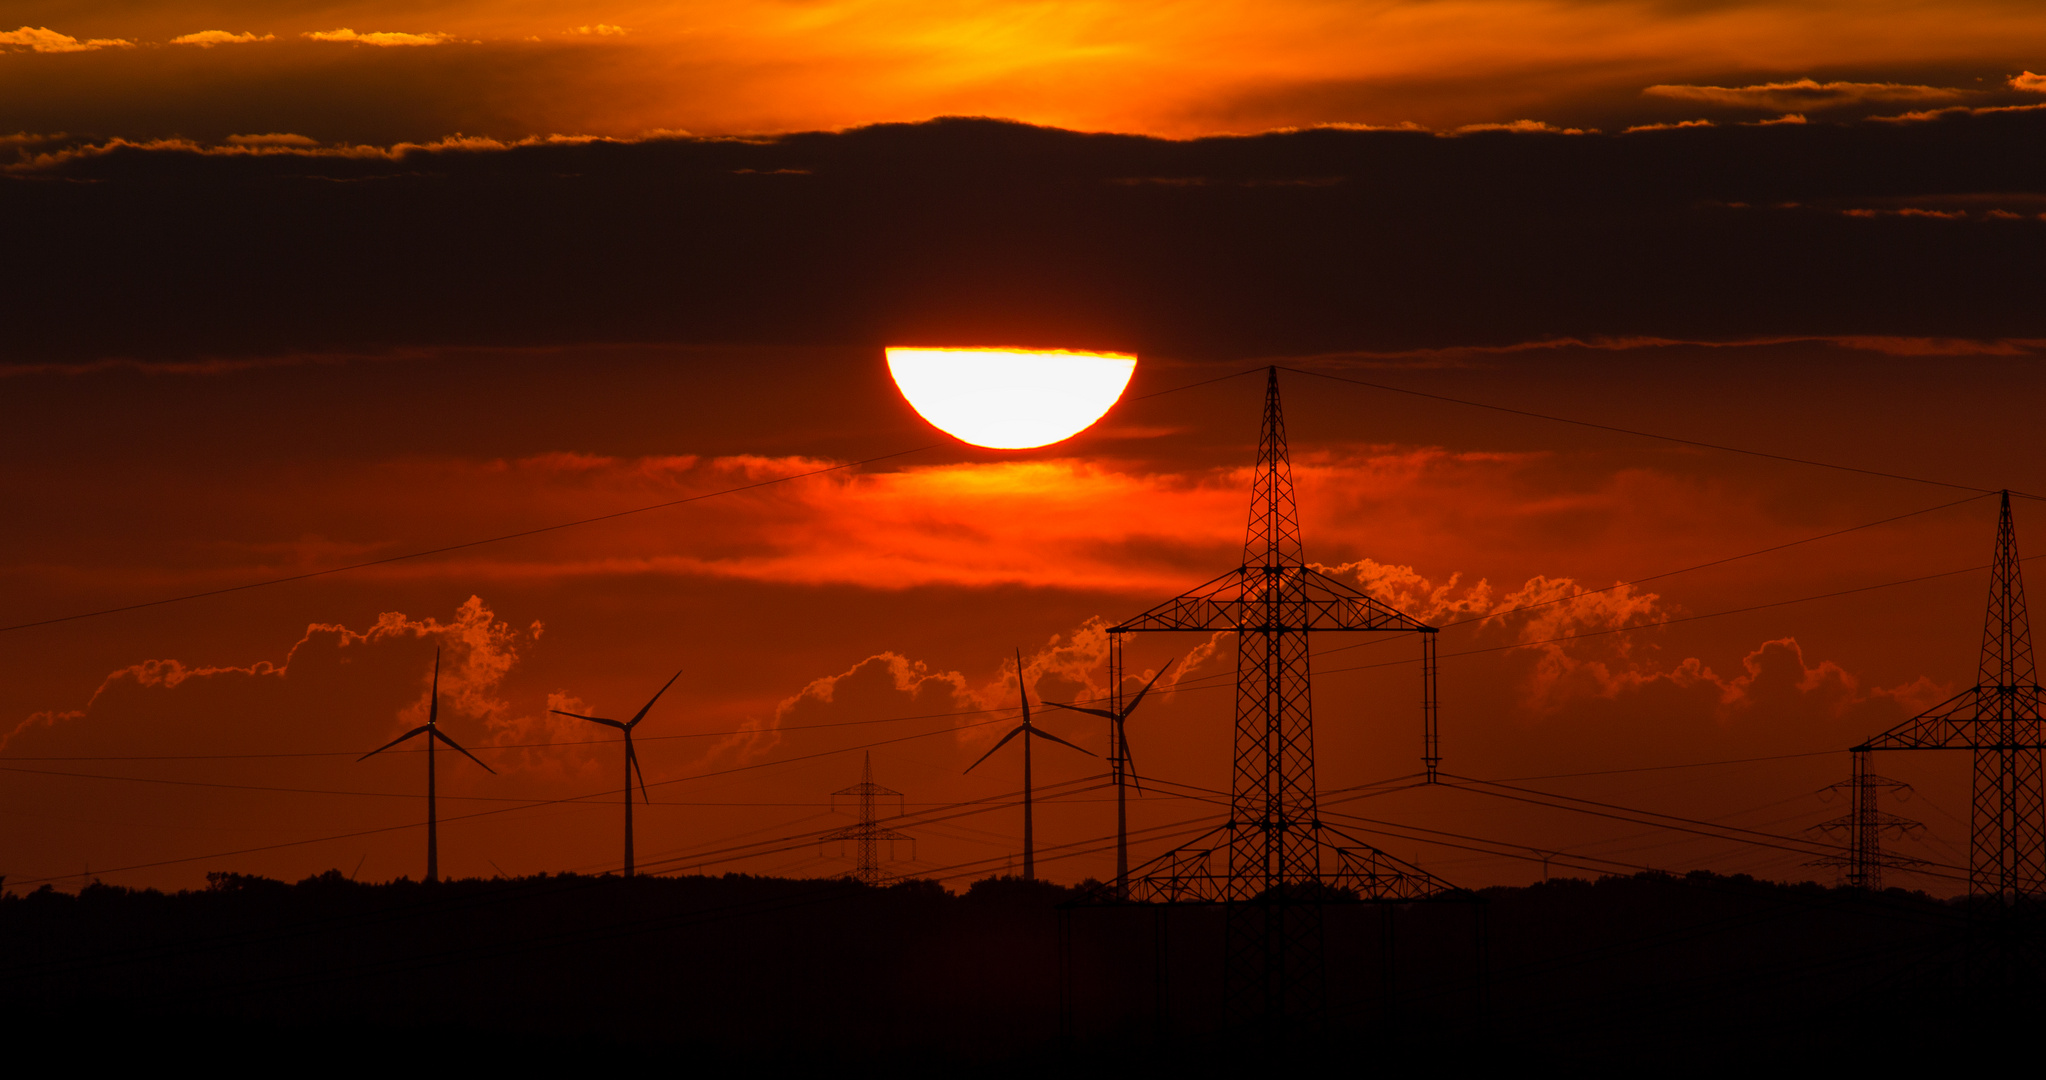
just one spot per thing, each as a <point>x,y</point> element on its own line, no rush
<point>1564,625</point>
<point>2029,81</point>
<point>480,650</point>
<point>382,38</point>
<point>1404,588</point>
<point>602,30</point>
<point>207,39</point>
<point>1803,94</point>
<point>1069,667</point>
<point>42,39</point>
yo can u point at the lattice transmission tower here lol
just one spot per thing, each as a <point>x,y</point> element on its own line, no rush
<point>1863,827</point>
<point>866,838</point>
<point>1275,862</point>
<point>2000,721</point>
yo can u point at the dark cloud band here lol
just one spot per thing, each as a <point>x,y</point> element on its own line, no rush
<point>1296,242</point>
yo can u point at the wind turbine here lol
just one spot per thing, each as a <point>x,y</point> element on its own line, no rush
<point>1122,764</point>
<point>432,731</point>
<point>1026,729</point>
<point>631,757</point>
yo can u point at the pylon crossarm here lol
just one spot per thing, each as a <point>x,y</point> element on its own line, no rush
<point>1376,875</point>
<point>1978,718</point>
<point>1244,600</point>
<point>1183,875</point>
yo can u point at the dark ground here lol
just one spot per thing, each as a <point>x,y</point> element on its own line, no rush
<point>1684,973</point>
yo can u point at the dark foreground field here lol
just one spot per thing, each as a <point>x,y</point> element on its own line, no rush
<point>1679,971</point>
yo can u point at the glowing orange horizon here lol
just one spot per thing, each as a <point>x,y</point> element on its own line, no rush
<point>1010,398</point>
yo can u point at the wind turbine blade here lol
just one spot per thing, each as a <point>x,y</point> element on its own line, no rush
<point>1103,713</point>
<point>641,714</point>
<point>438,734</point>
<point>392,743</point>
<point>632,759</point>
<point>1043,734</point>
<point>1013,732</point>
<point>433,702</point>
<point>1021,690</point>
<point>591,719</point>
<point>1129,764</point>
<point>1139,699</point>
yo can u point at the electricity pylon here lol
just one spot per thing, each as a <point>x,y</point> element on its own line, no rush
<point>1864,825</point>
<point>1278,861</point>
<point>1999,719</point>
<point>631,757</point>
<point>1026,729</point>
<point>866,837</point>
<point>431,729</point>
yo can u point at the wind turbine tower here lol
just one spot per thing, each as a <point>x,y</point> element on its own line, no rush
<point>431,729</point>
<point>1026,729</point>
<point>631,757</point>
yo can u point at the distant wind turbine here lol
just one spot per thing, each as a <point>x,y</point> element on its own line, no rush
<point>1123,765</point>
<point>431,729</point>
<point>631,757</point>
<point>1026,729</point>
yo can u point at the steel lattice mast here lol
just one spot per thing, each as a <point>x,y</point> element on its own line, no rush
<point>2000,720</point>
<point>1278,859</point>
<point>1864,826</point>
<point>866,837</point>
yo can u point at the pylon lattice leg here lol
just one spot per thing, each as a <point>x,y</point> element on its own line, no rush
<point>2005,841</point>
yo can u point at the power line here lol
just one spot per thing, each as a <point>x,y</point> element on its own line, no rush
<point>1672,573</point>
<point>1644,434</point>
<point>1005,710</point>
<point>1685,618</point>
<point>507,809</point>
<point>1184,684</point>
<point>1680,823</point>
<point>534,531</point>
<point>463,545</point>
<point>1685,765</point>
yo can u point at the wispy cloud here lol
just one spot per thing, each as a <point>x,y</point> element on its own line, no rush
<point>1804,94</point>
<point>382,38</point>
<point>207,39</point>
<point>274,138</point>
<point>42,39</point>
<point>1525,127</point>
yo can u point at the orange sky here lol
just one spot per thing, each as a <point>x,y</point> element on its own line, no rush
<point>1179,69</point>
<point>306,284</point>
<point>820,617</point>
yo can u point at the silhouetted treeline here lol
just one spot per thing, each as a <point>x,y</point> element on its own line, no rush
<point>739,968</point>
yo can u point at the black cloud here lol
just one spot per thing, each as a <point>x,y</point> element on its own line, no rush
<point>973,230</point>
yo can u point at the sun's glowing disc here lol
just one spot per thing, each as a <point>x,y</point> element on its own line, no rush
<point>1011,399</point>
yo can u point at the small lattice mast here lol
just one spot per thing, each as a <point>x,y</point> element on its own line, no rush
<point>867,836</point>
<point>1864,825</point>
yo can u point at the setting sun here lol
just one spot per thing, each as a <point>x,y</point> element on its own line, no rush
<point>1010,399</point>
